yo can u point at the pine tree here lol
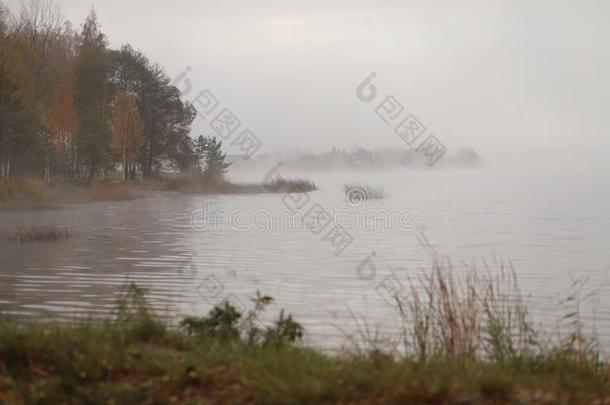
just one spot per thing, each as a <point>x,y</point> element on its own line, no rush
<point>210,150</point>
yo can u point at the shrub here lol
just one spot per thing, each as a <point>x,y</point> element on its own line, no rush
<point>284,331</point>
<point>221,322</point>
<point>226,323</point>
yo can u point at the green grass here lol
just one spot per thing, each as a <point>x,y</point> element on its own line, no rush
<point>225,357</point>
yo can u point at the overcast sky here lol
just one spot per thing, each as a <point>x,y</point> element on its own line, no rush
<point>508,78</point>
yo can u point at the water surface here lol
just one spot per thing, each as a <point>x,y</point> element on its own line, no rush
<point>554,229</point>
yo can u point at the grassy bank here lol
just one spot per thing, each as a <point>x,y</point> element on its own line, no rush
<point>228,357</point>
<point>26,193</point>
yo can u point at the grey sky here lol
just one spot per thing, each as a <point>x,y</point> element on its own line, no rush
<point>505,77</point>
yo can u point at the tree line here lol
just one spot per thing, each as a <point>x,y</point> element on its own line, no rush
<point>73,108</point>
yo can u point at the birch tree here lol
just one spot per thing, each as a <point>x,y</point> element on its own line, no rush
<point>128,131</point>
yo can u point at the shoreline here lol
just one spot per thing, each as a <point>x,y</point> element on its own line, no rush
<point>227,355</point>
<point>32,194</point>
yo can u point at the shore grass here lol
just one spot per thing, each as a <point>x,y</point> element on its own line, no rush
<point>226,356</point>
<point>203,184</point>
<point>32,193</point>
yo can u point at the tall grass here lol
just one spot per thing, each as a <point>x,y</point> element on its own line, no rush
<point>203,183</point>
<point>281,185</point>
<point>480,316</point>
<point>469,339</point>
<point>475,315</point>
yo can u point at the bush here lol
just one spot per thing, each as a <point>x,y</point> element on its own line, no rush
<point>222,322</point>
<point>284,331</point>
<point>226,323</point>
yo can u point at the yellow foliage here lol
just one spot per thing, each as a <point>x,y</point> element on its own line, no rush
<point>128,129</point>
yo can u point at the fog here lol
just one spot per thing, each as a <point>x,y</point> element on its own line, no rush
<point>283,201</point>
<point>523,83</point>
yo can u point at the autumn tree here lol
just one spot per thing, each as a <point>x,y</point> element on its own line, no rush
<point>127,131</point>
<point>63,125</point>
<point>60,87</point>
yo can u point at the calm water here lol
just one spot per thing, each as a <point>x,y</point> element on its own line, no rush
<point>554,228</point>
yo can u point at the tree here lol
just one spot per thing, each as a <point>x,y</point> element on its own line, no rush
<point>63,125</point>
<point>210,150</point>
<point>39,31</point>
<point>167,120</point>
<point>59,89</point>
<point>128,131</point>
<point>91,98</point>
<point>11,110</point>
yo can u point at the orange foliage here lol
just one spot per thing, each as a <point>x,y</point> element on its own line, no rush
<point>62,118</point>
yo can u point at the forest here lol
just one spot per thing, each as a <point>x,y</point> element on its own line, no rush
<point>73,109</point>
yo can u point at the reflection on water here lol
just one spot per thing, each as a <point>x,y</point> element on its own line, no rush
<point>554,230</point>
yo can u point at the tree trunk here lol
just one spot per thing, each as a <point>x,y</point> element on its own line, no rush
<point>47,169</point>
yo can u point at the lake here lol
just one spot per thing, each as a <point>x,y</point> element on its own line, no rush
<point>332,271</point>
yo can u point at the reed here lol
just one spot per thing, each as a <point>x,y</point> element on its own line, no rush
<point>358,193</point>
<point>203,183</point>
<point>284,185</point>
<point>37,234</point>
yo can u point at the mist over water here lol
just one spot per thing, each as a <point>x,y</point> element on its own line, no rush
<point>533,220</point>
<point>523,86</point>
